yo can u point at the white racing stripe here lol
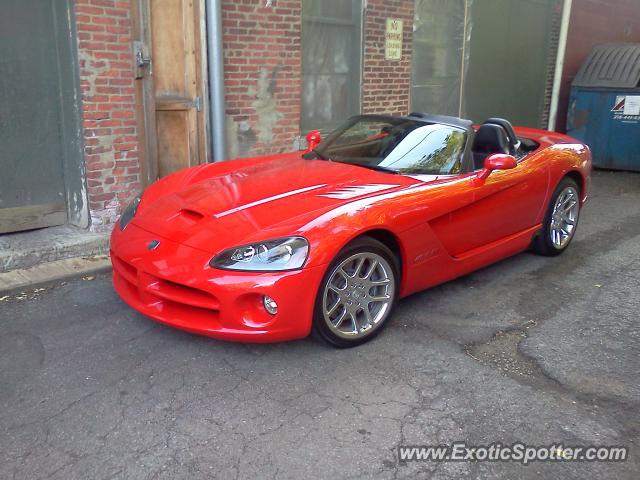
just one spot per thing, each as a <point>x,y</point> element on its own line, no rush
<point>267,200</point>
<point>346,193</point>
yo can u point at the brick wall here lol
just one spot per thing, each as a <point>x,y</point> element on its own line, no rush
<point>262,64</point>
<point>594,22</point>
<point>386,83</point>
<point>108,107</point>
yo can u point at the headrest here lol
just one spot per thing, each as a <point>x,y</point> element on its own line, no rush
<point>491,138</point>
<point>511,134</point>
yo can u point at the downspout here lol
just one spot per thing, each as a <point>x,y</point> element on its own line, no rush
<point>463,62</point>
<point>215,60</point>
<point>557,78</point>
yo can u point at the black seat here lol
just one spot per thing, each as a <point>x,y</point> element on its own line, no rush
<point>489,138</point>
<point>514,142</point>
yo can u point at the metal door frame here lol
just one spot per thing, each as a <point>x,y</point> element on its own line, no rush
<point>73,166</point>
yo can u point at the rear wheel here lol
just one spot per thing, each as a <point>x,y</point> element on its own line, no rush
<point>357,294</point>
<point>561,220</point>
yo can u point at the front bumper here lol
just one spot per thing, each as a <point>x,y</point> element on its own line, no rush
<point>175,285</point>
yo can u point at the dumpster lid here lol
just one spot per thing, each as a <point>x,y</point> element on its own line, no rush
<point>614,65</point>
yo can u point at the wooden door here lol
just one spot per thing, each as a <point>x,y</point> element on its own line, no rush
<point>171,66</point>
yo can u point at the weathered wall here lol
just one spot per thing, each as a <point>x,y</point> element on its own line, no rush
<point>386,83</point>
<point>263,70</point>
<point>108,107</point>
<point>594,22</point>
<point>262,64</point>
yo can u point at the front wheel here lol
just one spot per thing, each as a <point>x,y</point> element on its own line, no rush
<point>561,220</point>
<point>357,294</point>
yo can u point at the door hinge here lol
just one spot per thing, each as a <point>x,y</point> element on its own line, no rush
<point>142,59</point>
<point>195,103</point>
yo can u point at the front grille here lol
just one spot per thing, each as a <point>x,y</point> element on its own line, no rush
<point>175,292</point>
<point>151,289</point>
<point>128,272</point>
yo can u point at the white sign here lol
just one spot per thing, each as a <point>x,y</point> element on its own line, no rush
<point>393,40</point>
<point>632,105</point>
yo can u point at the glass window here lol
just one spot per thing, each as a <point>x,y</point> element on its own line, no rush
<point>437,58</point>
<point>399,145</point>
<point>331,56</point>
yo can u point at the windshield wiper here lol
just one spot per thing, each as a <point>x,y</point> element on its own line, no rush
<point>320,155</point>
<point>378,168</point>
<point>370,167</point>
<point>382,169</point>
<point>316,153</point>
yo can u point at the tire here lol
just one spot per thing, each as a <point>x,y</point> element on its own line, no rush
<point>364,277</point>
<point>557,230</point>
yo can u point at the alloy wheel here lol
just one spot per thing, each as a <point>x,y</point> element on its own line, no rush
<point>564,217</point>
<point>358,295</point>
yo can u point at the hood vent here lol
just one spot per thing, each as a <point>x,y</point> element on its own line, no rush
<point>188,215</point>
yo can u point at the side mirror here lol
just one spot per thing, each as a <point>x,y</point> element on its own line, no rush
<point>313,139</point>
<point>497,161</point>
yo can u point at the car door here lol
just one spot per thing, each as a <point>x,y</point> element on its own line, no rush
<point>485,211</point>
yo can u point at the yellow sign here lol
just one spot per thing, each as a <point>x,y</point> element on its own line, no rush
<point>393,40</point>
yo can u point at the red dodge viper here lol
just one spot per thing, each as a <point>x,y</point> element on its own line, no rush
<point>327,240</point>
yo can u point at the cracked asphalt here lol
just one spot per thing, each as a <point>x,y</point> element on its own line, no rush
<point>535,350</point>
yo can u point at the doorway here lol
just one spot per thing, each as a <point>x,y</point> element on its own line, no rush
<point>170,55</point>
<point>42,179</point>
<point>509,65</point>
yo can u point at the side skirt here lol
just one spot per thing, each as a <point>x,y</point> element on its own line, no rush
<point>443,268</point>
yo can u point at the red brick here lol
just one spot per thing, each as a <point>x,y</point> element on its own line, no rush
<point>258,38</point>
<point>106,79</point>
<point>88,9</point>
<point>381,90</point>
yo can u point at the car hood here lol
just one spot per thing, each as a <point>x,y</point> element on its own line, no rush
<point>258,200</point>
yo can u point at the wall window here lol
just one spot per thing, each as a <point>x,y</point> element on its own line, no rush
<point>331,62</point>
<point>439,46</point>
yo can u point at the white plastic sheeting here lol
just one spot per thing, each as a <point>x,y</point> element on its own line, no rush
<point>441,38</point>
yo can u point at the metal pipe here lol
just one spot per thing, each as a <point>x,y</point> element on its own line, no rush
<point>215,62</point>
<point>465,33</point>
<point>557,78</point>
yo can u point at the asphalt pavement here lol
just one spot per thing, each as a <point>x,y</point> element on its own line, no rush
<point>534,350</point>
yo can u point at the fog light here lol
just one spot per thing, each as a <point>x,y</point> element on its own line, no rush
<point>270,305</point>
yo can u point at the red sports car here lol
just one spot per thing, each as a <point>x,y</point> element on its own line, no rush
<point>271,248</point>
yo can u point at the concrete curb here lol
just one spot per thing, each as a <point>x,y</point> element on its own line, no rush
<point>24,250</point>
<point>52,271</point>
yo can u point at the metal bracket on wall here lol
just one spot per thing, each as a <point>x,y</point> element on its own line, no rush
<point>142,59</point>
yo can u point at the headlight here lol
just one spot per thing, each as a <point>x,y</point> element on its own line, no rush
<point>280,254</point>
<point>129,212</point>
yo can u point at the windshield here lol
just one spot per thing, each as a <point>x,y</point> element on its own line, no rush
<point>397,144</point>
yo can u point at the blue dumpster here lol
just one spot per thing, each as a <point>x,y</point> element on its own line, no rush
<point>604,107</point>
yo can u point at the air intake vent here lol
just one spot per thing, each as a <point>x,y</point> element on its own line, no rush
<point>191,215</point>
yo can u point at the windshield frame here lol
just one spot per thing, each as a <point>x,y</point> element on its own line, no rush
<point>464,154</point>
